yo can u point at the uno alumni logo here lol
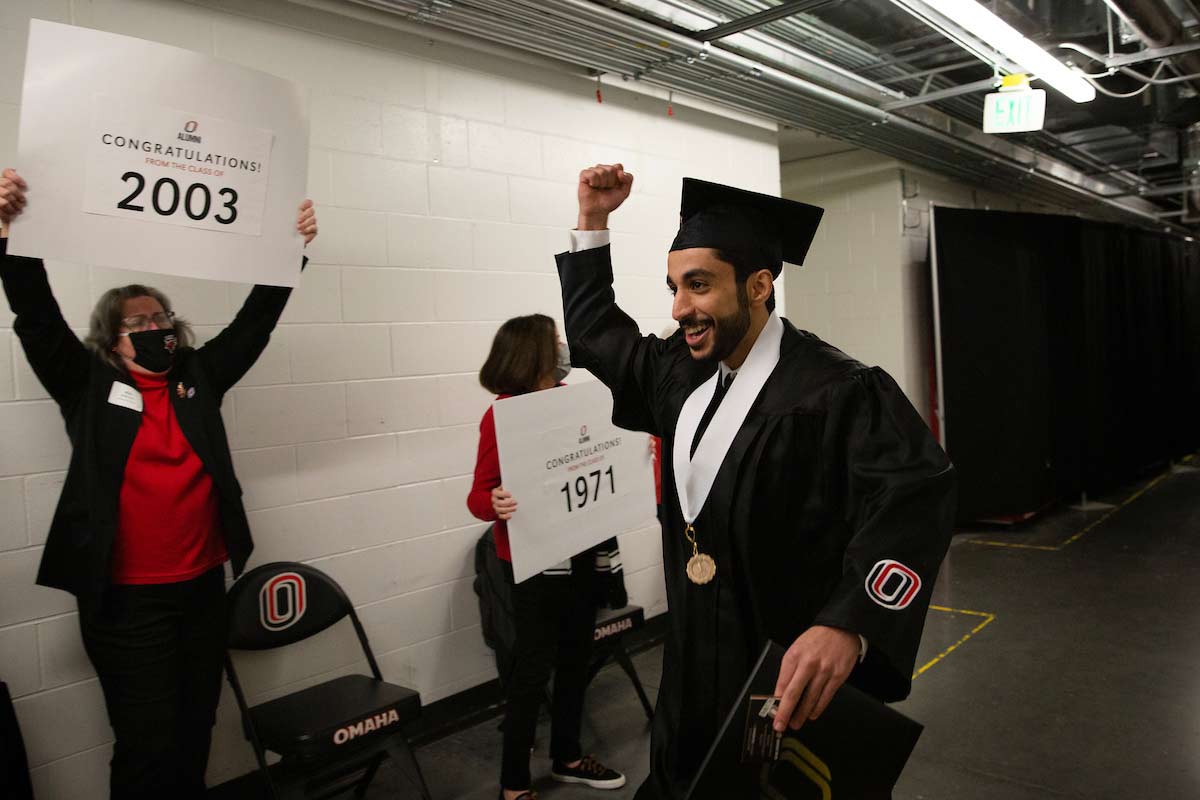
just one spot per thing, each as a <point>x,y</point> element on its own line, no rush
<point>583,434</point>
<point>188,134</point>
<point>282,601</point>
<point>892,585</point>
<point>364,726</point>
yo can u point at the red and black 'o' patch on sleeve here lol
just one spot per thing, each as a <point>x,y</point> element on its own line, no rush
<point>892,585</point>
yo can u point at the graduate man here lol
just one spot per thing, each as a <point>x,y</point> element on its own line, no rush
<point>805,500</point>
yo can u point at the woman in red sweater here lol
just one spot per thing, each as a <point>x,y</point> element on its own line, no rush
<point>555,611</point>
<point>151,509</point>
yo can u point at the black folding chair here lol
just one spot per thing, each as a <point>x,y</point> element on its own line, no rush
<point>608,643</point>
<point>333,736</point>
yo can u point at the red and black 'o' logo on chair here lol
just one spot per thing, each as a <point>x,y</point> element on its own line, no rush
<point>282,601</point>
<point>892,585</point>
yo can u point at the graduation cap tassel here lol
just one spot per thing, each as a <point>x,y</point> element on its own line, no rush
<point>670,104</point>
<point>599,96</point>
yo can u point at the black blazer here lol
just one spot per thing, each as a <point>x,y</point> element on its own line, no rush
<point>78,554</point>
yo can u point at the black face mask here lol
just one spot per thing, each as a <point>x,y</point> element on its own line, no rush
<point>154,350</point>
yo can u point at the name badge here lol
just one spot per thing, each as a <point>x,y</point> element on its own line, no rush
<point>124,395</point>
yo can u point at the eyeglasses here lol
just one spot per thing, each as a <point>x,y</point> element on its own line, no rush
<point>141,322</point>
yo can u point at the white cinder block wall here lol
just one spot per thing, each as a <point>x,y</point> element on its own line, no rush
<point>444,182</point>
<point>865,285</point>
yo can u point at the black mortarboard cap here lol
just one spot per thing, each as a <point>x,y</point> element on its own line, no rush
<point>769,230</point>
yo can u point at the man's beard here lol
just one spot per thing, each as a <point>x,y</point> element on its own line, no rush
<point>727,331</point>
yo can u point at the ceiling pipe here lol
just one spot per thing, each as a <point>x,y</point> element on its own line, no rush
<point>1158,25</point>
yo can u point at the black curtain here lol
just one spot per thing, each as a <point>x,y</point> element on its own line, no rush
<point>1070,355</point>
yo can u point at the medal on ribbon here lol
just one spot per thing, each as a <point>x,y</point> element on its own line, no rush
<point>694,474</point>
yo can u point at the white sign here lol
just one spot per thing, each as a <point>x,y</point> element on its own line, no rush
<point>1014,111</point>
<point>156,164</point>
<point>577,478</point>
<point>216,151</point>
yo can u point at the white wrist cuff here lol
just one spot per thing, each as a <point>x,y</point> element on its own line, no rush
<point>588,240</point>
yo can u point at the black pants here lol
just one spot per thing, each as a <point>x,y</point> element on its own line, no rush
<point>555,618</point>
<point>159,650</point>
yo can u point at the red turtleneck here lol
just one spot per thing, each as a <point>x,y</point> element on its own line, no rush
<point>169,520</point>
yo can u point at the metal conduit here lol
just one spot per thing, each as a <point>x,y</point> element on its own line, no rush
<point>577,31</point>
<point>803,32</point>
<point>685,47</point>
<point>852,54</point>
<point>906,148</point>
<point>617,58</point>
<point>739,10</point>
<point>835,59</point>
<point>834,124</point>
<point>869,113</point>
<point>762,101</point>
<point>924,152</point>
<point>681,47</point>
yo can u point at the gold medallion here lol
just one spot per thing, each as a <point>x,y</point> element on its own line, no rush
<point>701,569</point>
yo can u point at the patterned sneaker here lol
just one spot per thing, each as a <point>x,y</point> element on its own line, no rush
<point>589,772</point>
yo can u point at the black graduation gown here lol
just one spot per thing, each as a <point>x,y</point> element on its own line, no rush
<point>831,473</point>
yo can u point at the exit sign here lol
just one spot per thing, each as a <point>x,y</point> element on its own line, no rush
<point>1014,112</point>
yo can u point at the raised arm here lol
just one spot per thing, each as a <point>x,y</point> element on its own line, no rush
<point>602,337</point>
<point>232,352</point>
<point>58,358</point>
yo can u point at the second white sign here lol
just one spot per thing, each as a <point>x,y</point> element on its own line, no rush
<point>577,478</point>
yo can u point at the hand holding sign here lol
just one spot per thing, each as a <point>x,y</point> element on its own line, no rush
<point>12,198</point>
<point>503,504</point>
<point>306,223</point>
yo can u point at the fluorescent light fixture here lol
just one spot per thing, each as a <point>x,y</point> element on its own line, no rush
<point>987,27</point>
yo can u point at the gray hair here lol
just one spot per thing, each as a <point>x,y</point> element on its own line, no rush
<point>105,323</point>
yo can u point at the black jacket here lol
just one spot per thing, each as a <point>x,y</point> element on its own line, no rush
<point>78,554</point>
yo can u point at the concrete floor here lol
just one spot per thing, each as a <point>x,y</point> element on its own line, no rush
<point>1056,665</point>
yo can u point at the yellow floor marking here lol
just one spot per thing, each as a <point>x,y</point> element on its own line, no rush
<point>1056,547</point>
<point>987,619</point>
<point>1053,548</point>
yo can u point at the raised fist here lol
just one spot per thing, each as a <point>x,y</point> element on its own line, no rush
<point>602,189</point>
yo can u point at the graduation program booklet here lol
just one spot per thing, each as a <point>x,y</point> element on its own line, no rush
<point>854,751</point>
